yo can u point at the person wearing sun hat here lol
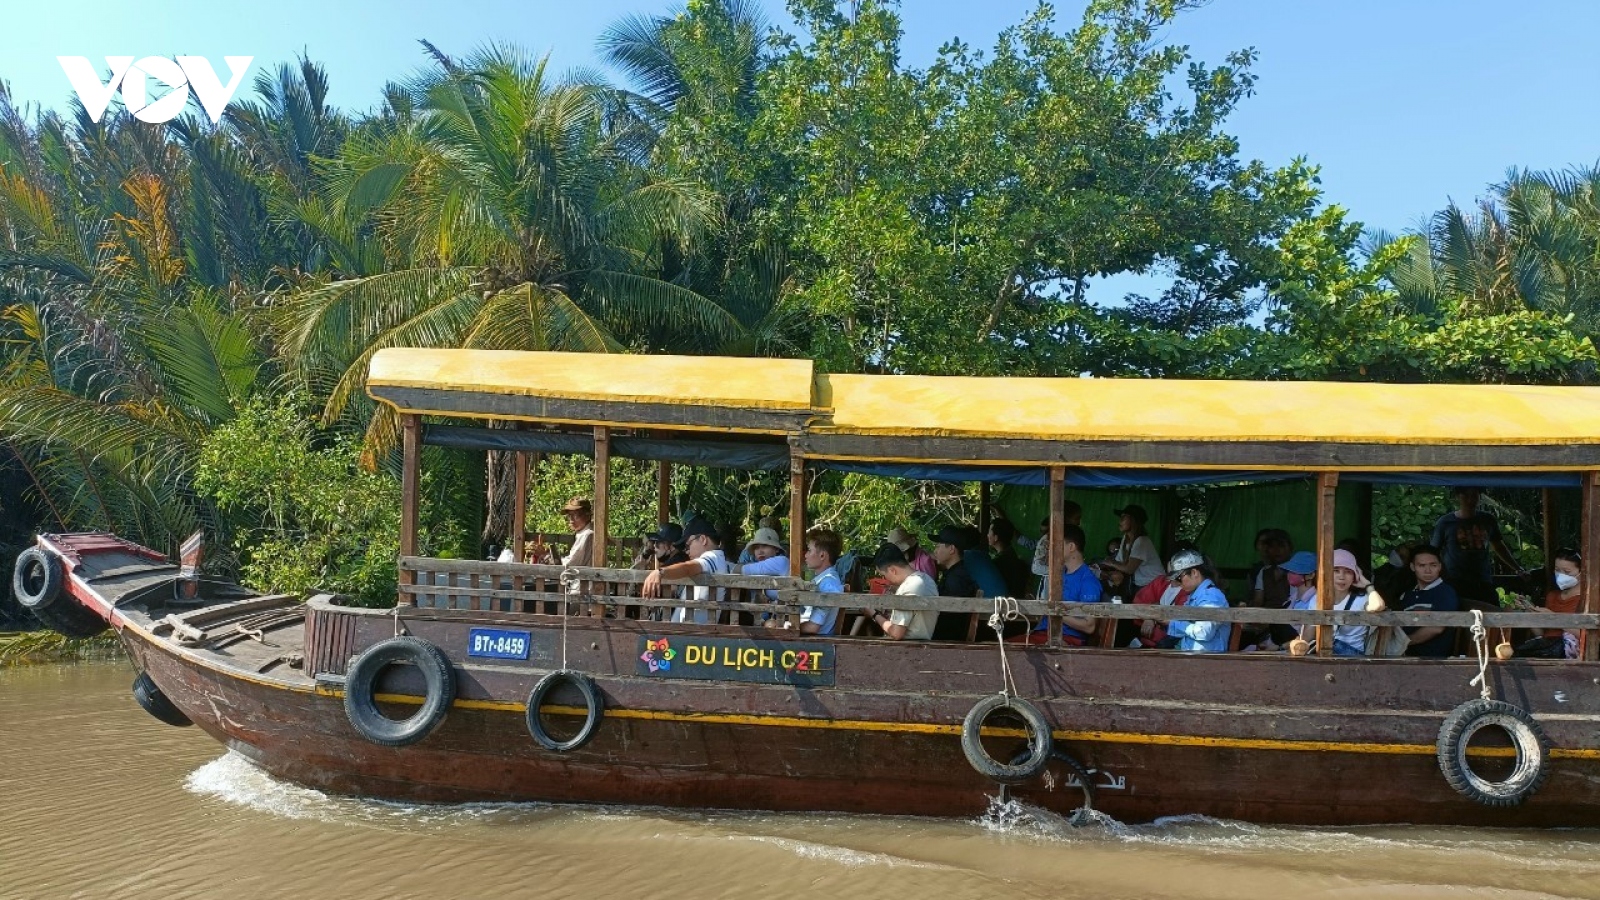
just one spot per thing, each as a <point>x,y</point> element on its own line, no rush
<point>766,548</point>
<point>919,559</point>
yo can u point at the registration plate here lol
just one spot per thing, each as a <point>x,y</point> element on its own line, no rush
<point>499,643</point>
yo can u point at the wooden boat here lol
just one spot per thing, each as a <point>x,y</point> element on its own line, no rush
<point>430,700</point>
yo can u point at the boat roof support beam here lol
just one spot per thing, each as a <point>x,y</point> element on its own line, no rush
<point>410,494</point>
<point>1327,486</point>
<point>1590,640</point>
<point>1058,550</point>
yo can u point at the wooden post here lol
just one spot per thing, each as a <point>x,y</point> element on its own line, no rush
<point>663,492</point>
<point>519,511</point>
<point>602,489</point>
<point>983,513</point>
<point>410,495</point>
<point>797,512</point>
<point>1058,551</point>
<point>1327,485</point>
<point>1589,640</point>
<point>1547,505</point>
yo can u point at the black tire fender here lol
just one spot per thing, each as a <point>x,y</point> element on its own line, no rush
<point>594,710</point>
<point>37,580</point>
<point>156,703</point>
<point>1527,739</point>
<point>360,690</point>
<point>1040,742</point>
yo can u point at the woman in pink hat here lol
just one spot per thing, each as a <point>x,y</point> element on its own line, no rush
<point>1350,590</point>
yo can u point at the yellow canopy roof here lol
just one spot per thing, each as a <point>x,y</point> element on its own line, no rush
<point>1019,421</point>
<point>714,393</point>
<point>1104,409</point>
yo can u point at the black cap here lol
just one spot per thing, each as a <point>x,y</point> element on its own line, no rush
<point>955,536</point>
<point>700,526</point>
<point>1135,510</point>
<point>668,533</point>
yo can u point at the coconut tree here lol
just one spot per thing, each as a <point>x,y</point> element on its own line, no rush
<point>513,212</point>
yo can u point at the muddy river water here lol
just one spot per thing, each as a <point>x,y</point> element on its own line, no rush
<point>99,800</point>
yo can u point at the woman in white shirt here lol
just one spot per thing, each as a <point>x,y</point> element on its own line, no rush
<point>1136,554</point>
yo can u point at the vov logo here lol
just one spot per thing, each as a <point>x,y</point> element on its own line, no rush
<point>179,75</point>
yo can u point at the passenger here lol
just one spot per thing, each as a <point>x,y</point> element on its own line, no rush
<point>1350,589</point>
<point>955,579</point>
<point>1189,568</point>
<point>706,558</point>
<point>661,549</point>
<point>982,569</point>
<point>1269,583</point>
<point>1164,592</point>
<point>1556,643</point>
<point>1395,577</point>
<point>746,557</point>
<point>822,554</point>
<point>1078,585</point>
<point>1300,575</point>
<point>1468,540</point>
<point>919,558</point>
<point>1071,514</point>
<point>580,518</point>
<point>1003,541</point>
<point>1431,592</point>
<point>666,545</point>
<point>916,625</point>
<point>1136,554</point>
<point>767,557</point>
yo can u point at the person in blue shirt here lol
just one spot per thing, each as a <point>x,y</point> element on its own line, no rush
<point>1188,567</point>
<point>980,566</point>
<point>1079,584</point>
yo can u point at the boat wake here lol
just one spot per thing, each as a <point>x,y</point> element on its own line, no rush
<point>1539,849</point>
<point>235,780</point>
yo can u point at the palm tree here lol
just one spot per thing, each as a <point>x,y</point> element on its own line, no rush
<point>512,212</point>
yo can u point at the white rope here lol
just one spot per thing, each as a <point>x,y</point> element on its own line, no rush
<point>1006,610</point>
<point>1480,641</point>
<point>569,578</point>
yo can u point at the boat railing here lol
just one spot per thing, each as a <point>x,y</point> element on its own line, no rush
<point>533,588</point>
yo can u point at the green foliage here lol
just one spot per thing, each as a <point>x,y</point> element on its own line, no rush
<point>306,515</point>
<point>1404,512</point>
<point>864,508</point>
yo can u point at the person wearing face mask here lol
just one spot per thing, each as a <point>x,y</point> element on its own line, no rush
<point>1432,593</point>
<point>1566,598</point>
<point>1300,571</point>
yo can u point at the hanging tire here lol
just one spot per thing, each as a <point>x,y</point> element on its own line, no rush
<point>1040,742</point>
<point>1527,738</point>
<point>594,710</point>
<point>156,703</point>
<point>37,579</point>
<point>360,689</point>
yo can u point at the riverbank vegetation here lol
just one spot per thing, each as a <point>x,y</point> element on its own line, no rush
<point>187,311</point>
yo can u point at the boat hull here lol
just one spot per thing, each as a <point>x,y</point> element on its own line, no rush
<point>719,745</point>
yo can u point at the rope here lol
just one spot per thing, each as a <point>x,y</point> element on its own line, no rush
<point>569,579</point>
<point>1005,610</point>
<point>1480,641</point>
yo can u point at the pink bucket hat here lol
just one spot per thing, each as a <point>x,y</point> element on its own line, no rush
<point>1344,559</point>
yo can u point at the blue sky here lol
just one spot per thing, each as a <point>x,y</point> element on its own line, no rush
<point>1404,103</point>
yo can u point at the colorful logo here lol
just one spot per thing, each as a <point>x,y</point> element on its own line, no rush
<point>658,656</point>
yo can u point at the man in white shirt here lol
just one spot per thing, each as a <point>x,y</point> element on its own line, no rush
<point>899,625</point>
<point>700,539</point>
